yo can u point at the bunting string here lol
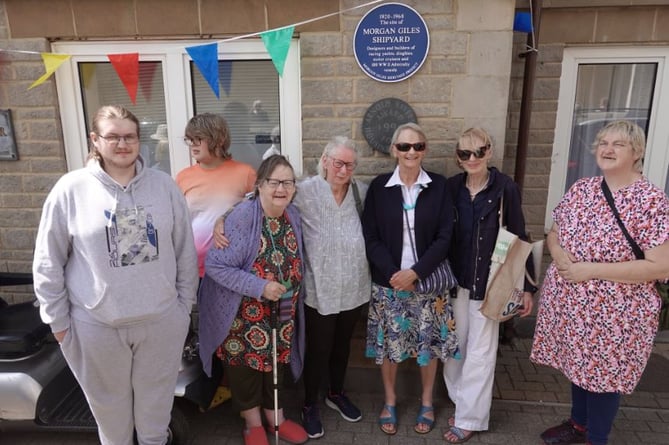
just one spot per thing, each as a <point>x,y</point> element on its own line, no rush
<point>276,41</point>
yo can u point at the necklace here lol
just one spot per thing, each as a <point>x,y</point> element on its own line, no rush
<point>473,191</point>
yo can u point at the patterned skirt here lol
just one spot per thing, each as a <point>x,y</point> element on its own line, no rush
<point>404,324</point>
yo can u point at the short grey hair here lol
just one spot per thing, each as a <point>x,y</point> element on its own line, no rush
<point>408,126</point>
<point>336,142</point>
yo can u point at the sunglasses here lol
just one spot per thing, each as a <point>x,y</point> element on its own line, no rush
<point>464,155</point>
<point>405,146</point>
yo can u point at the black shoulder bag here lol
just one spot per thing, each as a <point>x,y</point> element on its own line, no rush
<point>662,287</point>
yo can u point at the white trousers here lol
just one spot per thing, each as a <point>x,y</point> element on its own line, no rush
<point>470,380</point>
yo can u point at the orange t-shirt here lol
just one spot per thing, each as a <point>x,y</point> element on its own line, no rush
<point>209,194</point>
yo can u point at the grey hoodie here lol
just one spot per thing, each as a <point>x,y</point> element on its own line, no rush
<point>113,255</point>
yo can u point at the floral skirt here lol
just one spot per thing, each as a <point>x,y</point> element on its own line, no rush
<point>404,324</point>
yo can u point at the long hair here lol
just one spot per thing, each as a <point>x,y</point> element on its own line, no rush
<point>108,112</point>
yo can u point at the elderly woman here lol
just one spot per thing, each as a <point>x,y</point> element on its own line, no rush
<point>478,193</point>
<point>407,223</point>
<point>337,280</point>
<point>599,307</point>
<point>260,272</point>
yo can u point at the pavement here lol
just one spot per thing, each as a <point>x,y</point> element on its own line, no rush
<point>527,400</point>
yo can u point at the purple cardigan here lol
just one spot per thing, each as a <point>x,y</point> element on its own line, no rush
<point>227,279</point>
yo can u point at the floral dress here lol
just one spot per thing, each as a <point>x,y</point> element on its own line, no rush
<point>404,324</point>
<point>249,342</point>
<point>599,333</point>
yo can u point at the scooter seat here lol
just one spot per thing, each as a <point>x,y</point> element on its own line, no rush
<point>22,331</point>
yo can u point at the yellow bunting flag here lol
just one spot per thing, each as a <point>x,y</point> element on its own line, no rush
<point>51,64</point>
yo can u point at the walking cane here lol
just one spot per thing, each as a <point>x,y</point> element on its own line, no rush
<point>275,372</point>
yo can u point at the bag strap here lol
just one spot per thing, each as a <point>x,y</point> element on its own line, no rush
<point>609,199</point>
<point>413,247</point>
<point>501,208</point>
<point>356,197</point>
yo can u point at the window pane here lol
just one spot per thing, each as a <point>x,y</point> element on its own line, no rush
<point>249,101</point>
<point>604,93</point>
<point>101,85</point>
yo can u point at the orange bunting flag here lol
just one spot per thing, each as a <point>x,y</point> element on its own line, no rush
<point>51,64</point>
<point>127,68</point>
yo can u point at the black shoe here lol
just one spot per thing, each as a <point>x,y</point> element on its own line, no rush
<point>564,433</point>
<point>311,420</point>
<point>339,402</point>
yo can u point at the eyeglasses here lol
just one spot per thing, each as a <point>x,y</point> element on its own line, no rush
<point>288,184</point>
<point>114,139</point>
<point>338,163</point>
<point>192,141</point>
<point>405,146</point>
<point>464,155</point>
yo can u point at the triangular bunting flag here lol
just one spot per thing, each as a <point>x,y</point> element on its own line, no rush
<point>147,71</point>
<point>277,44</point>
<point>127,68</point>
<point>87,70</point>
<point>206,60</point>
<point>522,22</point>
<point>225,74</point>
<point>51,64</point>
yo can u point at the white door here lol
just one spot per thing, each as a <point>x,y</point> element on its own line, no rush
<point>260,106</point>
<point>600,85</point>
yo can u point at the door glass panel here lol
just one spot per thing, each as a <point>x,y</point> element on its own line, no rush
<point>101,85</point>
<point>249,101</point>
<point>605,93</point>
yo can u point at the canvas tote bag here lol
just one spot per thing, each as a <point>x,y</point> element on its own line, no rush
<point>504,290</point>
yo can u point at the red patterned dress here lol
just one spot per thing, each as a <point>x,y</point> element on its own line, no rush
<point>599,333</point>
<point>249,342</point>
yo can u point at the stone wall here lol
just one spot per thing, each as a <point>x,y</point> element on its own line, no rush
<point>24,183</point>
<point>464,81</point>
<point>566,23</point>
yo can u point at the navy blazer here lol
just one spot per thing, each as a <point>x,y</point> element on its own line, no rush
<point>383,222</point>
<point>471,257</point>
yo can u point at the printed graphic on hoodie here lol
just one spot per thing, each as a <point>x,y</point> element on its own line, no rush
<point>131,237</point>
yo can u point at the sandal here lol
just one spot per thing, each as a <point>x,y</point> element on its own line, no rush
<point>421,420</point>
<point>390,421</point>
<point>459,434</point>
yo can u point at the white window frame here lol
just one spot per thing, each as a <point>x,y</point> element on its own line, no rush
<point>657,152</point>
<point>178,94</point>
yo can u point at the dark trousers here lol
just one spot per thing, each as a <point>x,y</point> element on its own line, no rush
<point>595,411</point>
<point>328,345</point>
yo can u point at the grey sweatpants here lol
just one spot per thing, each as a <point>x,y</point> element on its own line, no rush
<point>128,374</point>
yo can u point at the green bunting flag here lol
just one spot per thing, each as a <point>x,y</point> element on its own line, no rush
<point>277,43</point>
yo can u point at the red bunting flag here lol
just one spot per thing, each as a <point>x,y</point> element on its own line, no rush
<point>147,71</point>
<point>127,68</point>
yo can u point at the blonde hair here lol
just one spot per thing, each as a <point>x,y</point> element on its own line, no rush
<point>631,133</point>
<point>471,134</point>
<point>108,112</point>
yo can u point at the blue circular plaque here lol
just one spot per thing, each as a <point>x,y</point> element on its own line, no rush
<point>391,42</point>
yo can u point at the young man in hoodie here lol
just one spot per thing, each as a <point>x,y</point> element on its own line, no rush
<point>115,272</point>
